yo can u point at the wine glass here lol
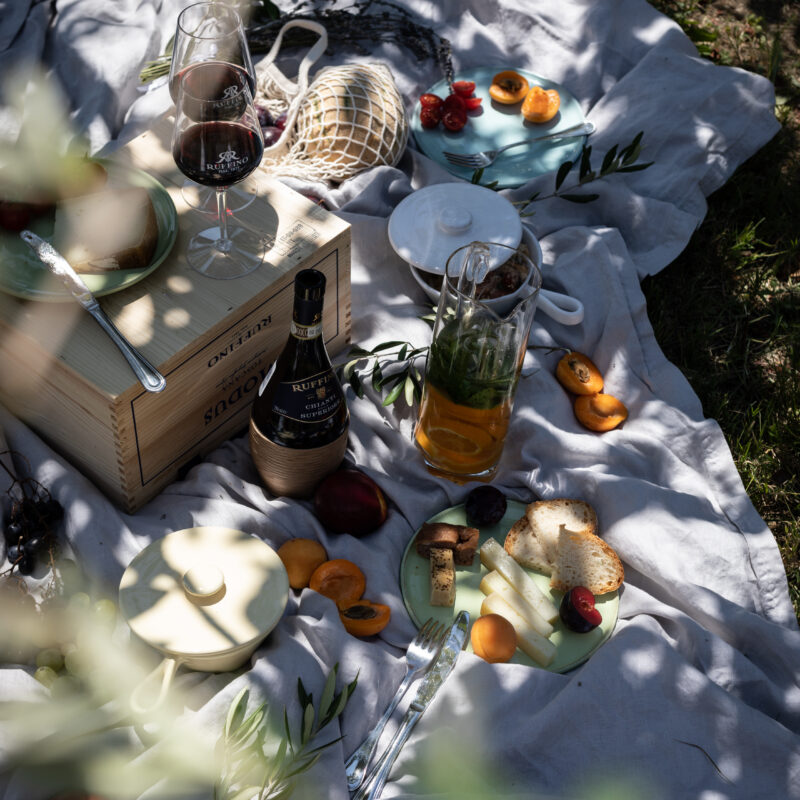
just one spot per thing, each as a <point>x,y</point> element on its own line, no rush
<point>211,33</point>
<point>217,142</point>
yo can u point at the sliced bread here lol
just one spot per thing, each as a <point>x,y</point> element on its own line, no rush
<point>109,230</point>
<point>533,539</point>
<point>586,560</point>
<point>559,538</point>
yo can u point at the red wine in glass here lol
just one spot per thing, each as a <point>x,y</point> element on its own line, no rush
<point>217,142</point>
<point>211,44</point>
<point>218,153</point>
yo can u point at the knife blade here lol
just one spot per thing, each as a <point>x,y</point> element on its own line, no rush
<point>148,375</point>
<point>434,678</point>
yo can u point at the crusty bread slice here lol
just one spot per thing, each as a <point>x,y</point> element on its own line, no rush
<point>533,540</point>
<point>527,549</point>
<point>109,230</point>
<point>586,560</point>
<point>559,538</point>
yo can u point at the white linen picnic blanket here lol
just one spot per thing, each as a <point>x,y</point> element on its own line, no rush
<point>697,693</point>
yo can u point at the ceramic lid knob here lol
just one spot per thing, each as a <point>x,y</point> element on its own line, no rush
<point>203,581</point>
<point>455,220</point>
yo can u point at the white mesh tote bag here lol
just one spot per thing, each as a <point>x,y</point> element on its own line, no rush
<point>349,118</point>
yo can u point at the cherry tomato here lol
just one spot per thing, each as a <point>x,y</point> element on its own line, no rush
<point>454,101</point>
<point>472,103</point>
<point>429,116</point>
<point>429,100</point>
<point>463,88</point>
<point>454,119</point>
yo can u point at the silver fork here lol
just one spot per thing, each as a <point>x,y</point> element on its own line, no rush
<point>419,656</point>
<point>484,158</point>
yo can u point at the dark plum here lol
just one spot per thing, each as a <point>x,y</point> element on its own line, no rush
<point>280,121</point>
<point>578,612</point>
<point>349,501</point>
<point>485,505</point>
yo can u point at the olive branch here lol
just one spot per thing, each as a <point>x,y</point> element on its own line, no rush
<point>615,160</point>
<point>259,763</point>
<point>393,368</point>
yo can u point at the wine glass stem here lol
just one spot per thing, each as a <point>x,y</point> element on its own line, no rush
<point>223,243</point>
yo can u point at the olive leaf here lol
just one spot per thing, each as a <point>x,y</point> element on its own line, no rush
<point>249,767</point>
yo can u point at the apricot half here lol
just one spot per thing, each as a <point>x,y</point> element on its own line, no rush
<point>540,105</point>
<point>340,580</point>
<point>578,374</point>
<point>508,87</point>
<point>600,412</point>
<point>301,557</point>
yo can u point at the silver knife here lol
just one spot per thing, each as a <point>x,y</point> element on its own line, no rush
<point>148,375</point>
<point>434,678</point>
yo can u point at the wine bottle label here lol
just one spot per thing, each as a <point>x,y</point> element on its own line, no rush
<point>305,331</point>
<point>312,399</point>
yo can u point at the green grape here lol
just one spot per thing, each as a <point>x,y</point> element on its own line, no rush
<point>80,601</point>
<point>46,676</point>
<point>74,663</point>
<point>65,686</point>
<point>50,657</point>
<point>105,612</point>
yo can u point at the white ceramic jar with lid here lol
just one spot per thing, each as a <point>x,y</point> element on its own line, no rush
<point>204,597</point>
<point>431,223</point>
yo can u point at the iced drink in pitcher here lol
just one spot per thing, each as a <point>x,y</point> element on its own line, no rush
<point>473,365</point>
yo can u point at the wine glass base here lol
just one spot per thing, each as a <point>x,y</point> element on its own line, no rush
<point>204,198</point>
<point>242,253</point>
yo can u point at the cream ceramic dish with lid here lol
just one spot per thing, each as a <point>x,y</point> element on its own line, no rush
<point>205,598</point>
<point>430,224</point>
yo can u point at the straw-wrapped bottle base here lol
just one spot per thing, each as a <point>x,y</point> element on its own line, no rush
<point>293,472</point>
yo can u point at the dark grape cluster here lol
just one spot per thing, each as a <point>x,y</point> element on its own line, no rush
<point>30,526</point>
<point>271,127</point>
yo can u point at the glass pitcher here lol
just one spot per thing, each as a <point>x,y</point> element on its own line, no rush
<point>475,360</point>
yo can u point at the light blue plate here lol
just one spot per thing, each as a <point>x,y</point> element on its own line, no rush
<point>495,125</point>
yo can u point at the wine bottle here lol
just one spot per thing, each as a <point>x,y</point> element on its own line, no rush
<point>299,420</point>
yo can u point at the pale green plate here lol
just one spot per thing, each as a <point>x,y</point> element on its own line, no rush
<point>23,275</point>
<point>572,649</point>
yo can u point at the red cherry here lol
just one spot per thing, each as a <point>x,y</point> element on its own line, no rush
<point>429,100</point>
<point>429,116</point>
<point>578,612</point>
<point>463,88</point>
<point>472,103</point>
<point>454,119</point>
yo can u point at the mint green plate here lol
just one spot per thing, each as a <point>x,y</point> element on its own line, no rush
<point>23,275</point>
<point>572,649</point>
<point>495,125</point>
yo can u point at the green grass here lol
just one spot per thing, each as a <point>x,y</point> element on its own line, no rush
<point>727,311</point>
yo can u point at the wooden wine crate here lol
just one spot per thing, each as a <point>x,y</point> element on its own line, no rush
<point>214,341</point>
